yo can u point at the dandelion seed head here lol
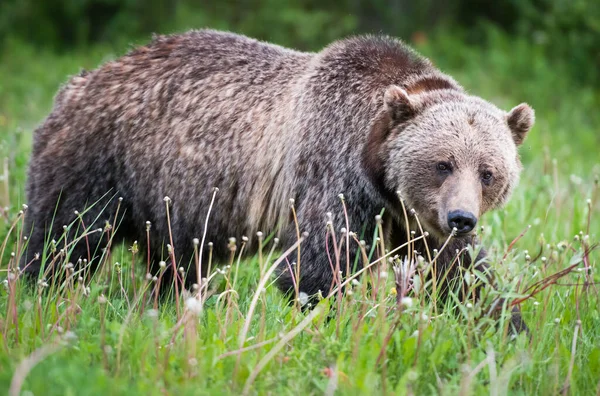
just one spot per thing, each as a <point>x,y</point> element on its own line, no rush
<point>302,298</point>
<point>406,302</point>
<point>70,337</point>
<point>193,305</point>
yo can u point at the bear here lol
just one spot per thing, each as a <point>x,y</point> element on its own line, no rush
<point>366,117</point>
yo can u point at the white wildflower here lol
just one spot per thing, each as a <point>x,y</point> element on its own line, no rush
<point>193,305</point>
<point>303,298</point>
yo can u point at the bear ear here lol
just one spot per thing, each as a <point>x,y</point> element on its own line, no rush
<point>520,120</point>
<point>398,104</point>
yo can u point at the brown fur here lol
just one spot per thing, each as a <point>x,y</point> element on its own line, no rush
<point>366,117</point>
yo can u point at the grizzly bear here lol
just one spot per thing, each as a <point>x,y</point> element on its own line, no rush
<point>366,117</point>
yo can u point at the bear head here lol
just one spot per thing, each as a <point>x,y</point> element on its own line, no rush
<point>449,156</point>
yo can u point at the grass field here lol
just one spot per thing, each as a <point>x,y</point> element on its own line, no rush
<point>105,336</point>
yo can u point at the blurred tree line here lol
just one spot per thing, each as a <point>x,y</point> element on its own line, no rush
<point>568,30</point>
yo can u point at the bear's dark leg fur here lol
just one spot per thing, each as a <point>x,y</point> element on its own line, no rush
<point>451,269</point>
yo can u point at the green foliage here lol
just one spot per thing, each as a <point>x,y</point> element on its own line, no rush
<point>565,29</point>
<point>562,29</point>
<point>66,23</point>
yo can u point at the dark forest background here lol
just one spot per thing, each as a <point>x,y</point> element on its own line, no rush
<point>565,30</point>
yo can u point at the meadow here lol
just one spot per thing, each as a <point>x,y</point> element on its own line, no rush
<point>108,334</point>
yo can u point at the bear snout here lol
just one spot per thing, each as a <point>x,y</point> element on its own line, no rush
<point>463,221</point>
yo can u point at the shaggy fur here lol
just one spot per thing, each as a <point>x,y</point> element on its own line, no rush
<point>366,117</point>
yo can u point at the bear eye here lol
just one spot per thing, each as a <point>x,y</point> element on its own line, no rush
<point>487,176</point>
<point>444,167</point>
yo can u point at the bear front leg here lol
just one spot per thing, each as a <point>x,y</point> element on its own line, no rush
<point>448,256</point>
<point>315,271</point>
<point>318,261</point>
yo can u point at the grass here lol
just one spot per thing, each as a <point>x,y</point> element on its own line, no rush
<point>103,335</point>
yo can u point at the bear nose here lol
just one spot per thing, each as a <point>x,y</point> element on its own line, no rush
<point>463,221</point>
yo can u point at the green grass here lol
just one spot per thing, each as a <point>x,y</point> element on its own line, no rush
<point>108,339</point>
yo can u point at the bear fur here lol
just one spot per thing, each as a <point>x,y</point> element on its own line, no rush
<point>366,117</point>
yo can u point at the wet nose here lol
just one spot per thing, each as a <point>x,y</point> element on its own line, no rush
<point>463,221</point>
